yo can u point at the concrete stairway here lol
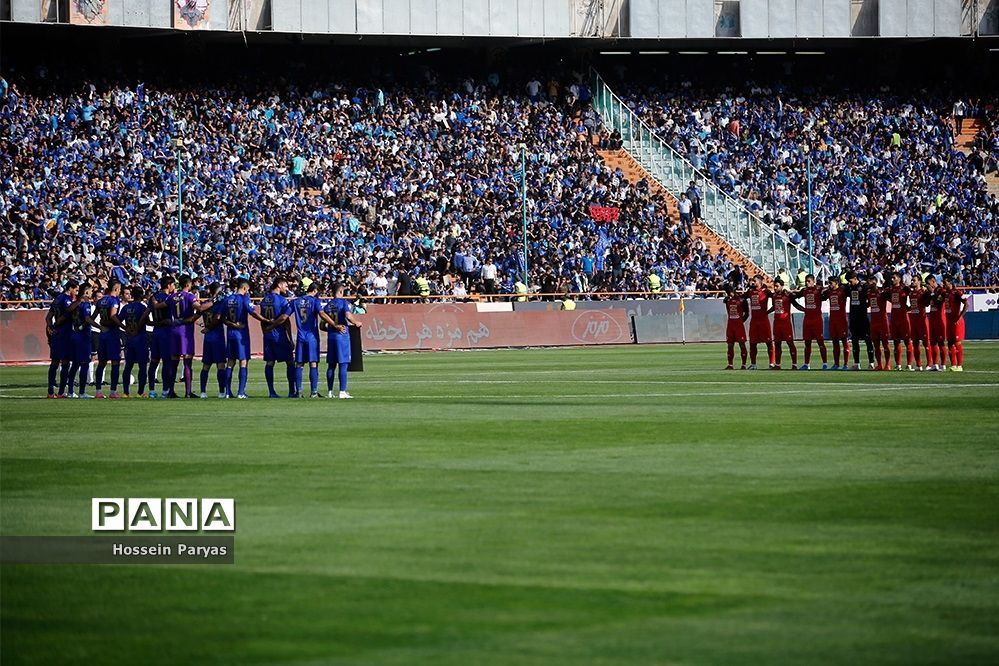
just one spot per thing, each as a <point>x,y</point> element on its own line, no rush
<point>633,171</point>
<point>992,181</point>
<point>966,139</point>
<point>965,142</point>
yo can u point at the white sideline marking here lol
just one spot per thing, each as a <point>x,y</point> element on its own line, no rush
<point>680,382</point>
<point>837,388</point>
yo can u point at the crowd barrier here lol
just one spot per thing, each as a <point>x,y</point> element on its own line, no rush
<point>480,326</point>
<point>397,327</point>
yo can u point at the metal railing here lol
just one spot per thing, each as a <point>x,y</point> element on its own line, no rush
<point>722,213</point>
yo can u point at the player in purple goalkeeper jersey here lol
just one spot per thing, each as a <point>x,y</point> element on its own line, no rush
<point>184,310</point>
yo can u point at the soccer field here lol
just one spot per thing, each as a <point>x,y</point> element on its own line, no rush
<point>630,505</point>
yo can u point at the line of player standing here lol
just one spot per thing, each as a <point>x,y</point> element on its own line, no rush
<point>931,316</point>
<point>172,312</point>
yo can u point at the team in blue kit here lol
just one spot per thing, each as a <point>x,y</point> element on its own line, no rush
<point>159,332</point>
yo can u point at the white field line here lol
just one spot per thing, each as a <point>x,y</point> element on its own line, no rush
<point>828,388</point>
<point>690,371</point>
<point>663,382</point>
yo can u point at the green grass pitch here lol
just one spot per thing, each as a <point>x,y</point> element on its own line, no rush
<point>629,505</point>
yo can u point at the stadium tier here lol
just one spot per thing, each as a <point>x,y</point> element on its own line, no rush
<point>891,187</point>
<point>386,181</point>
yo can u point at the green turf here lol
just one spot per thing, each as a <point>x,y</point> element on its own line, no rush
<point>629,505</point>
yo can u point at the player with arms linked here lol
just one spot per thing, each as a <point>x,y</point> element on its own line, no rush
<point>238,309</point>
<point>839,330</point>
<point>938,324</point>
<point>159,317</point>
<point>338,341</point>
<point>277,336</point>
<point>735,330</point>
<point>134,318</point>
<point>901,332</point>
<point>877,302</point>
<point>759,322</point>
<point>955,305</point>
<point>919,325</point>
<point>811,330</point>
<point>783,326</point>
<point>308,311</point>
<point>213,346</point>
<point>59,330</point>
<point>109,339</point>
<point>80,340</point>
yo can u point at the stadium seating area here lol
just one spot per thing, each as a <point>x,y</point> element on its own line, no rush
<point>890,190</point>
<point>331,179</point>
<point>389,180</point>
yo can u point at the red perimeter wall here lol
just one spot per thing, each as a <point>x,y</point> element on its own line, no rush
<point>396,327</point>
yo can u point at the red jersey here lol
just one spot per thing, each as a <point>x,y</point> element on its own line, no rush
<point>811,298</point>
<point>758,303</point>
<point>879,310</point>
<point>735,306</point>
<point>782,305</point>
<point>953,299</point>
<point>918,300</point>
<point>837,303</point>
<point>899,301</point>
<point>936,304</point>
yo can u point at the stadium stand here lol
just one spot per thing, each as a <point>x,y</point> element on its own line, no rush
<point>892,185</point>
<point>325,179</point>
<point>373,178</point>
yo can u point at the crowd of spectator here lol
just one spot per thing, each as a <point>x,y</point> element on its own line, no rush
<point>329,180</point>
<point>412,183</point>
<point>890,189</point>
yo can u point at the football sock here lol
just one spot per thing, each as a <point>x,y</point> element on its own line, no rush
<point>99,375</point>
<point>343,376</point>
<point>64,377</point>
<point>53,372</point>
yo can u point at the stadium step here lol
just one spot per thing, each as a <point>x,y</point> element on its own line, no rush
<point>634,172</point>
<point>965,141</point>
<point>992,181</point>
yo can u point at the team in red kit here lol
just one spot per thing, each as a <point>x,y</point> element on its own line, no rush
<point>923,322</point>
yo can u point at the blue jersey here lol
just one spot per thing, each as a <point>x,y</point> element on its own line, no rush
<point>337,309</point>
<point>103,308</point>
<point>131,315</point>
<point>338,347</point>
<point>80,316</point>
<point>58,309</point>
<point>237,310</point>
<point>307,309</point>
<point>271,307</point>
<point>215,316</point>
<point>161,315</point>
